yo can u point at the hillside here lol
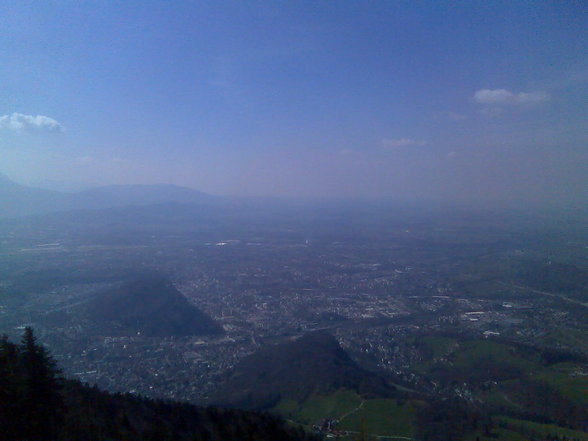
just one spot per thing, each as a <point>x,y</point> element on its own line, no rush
<point>36,403</point>
<point>314,363</point>
<point>505,391</point>
<point>19,200</point>
<point>150,305</point>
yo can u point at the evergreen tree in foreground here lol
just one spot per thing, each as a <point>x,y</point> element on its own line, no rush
<point>10,394</point>
<point>30,401</point>
<point>41,399</point>
<point>37,404</point>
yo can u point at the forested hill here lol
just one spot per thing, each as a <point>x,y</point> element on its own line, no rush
<point>37,404</point>
<point>150,305</point>
<point>314,363</point>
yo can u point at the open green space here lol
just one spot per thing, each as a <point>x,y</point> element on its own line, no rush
<point>526,428</point>
<point>318,407</point>
<point>439,345</point>
<point>511,429</point>
<point>569,379</point>
<point>387,417</point>
<point>382,417</point>
<point>473,351</point>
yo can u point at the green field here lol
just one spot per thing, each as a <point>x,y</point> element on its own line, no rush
<point>473,351</point>
<point>467,353</point>
<point>522,427</point>
<point>375,416</point>
<point>382,417</point>
<point>517,369</point>
<point>319,407</point>
<point>511,429</point>
<point>439,346</point>
<point>568,379</point>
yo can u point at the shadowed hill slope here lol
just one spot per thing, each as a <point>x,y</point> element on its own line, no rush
<point>150,305</point>
<point>36,403</point>
<point>314,363</point>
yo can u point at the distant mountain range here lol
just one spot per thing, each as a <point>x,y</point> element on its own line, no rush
<point>313,364</point>
<point>149,305</point>
<point>19,200</point>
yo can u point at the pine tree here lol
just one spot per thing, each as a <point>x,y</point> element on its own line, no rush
<point>41,400</point>
<point>10,402</point>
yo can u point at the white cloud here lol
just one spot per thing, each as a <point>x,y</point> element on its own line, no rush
<point>498,97</point>
<point>403,142</point>
<point>19,122</point>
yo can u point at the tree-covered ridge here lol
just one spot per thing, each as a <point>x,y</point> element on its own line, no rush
<point>146,304</point>
<point>36,403</point>
<point>314,363</point>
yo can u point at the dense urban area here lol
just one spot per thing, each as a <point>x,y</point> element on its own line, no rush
<point>402,295</point>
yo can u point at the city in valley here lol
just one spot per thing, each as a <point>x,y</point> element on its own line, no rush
<point>293,220</point>
<point>398,291</point>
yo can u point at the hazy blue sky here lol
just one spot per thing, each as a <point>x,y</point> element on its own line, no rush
<point>442,100</point>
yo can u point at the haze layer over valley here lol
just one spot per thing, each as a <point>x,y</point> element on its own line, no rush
<point>220,303</point>
<point>296,220</point>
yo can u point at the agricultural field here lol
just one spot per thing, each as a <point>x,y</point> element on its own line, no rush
<point>384,417</point>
